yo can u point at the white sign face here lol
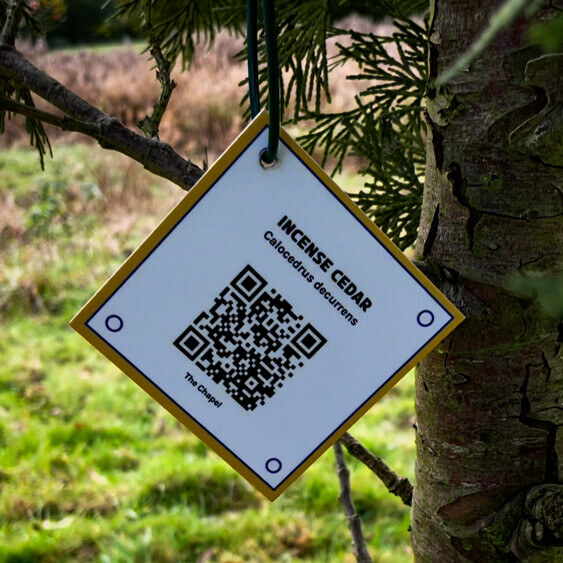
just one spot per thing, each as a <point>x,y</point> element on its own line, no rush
<point>266,312</point>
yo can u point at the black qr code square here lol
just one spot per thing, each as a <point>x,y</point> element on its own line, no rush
<point>250,340</point>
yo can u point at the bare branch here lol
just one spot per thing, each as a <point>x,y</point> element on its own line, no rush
<point>149,124</point>
<point>156,156</point>
<point>354,521</point>
<point>399,486</point>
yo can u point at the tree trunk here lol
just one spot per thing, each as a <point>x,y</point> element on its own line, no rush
<point>489,400</point>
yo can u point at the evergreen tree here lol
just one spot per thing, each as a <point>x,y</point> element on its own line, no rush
<point>488,144</point>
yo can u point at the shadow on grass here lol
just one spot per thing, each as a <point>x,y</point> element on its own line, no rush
<point>209,494</point>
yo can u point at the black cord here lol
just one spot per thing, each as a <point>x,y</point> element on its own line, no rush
<point>269,155</point>
<point>273,81</point>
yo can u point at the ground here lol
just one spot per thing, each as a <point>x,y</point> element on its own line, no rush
<point>91,468</point>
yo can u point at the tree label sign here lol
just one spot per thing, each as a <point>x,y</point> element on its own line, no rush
<point>266,312</point>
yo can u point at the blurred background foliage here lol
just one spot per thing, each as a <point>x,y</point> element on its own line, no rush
<point>549,35</point>
<point>380,131</point>
<point>74,22</point>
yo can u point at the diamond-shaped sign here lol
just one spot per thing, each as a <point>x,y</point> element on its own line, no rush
<point>267,313</point>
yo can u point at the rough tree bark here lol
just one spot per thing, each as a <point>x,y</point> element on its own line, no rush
<point>489,400</point>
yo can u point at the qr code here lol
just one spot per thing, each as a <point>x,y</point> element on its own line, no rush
<point>250,340</point>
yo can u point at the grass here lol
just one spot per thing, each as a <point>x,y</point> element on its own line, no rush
<point>101,48</point>
<point>91,468</point>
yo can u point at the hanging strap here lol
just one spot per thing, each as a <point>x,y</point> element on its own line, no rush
<point>270,154</point>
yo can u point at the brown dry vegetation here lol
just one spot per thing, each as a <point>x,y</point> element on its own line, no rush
<point>204,112</point>
<point>203,117</point>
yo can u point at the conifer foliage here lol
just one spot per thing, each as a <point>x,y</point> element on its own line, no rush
<point>383,129</point>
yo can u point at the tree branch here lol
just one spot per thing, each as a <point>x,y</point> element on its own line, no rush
<point>62,122</point>
<point>149,125</point>
<point>354,521</point>
<point>399,486</point>
<point>156,156</point>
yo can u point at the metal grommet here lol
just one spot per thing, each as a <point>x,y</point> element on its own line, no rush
<point>265,164</point>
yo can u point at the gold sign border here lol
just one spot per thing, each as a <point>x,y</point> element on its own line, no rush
<point>79,322</point>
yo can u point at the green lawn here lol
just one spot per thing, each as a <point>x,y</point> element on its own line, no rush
<point>91,468</point>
